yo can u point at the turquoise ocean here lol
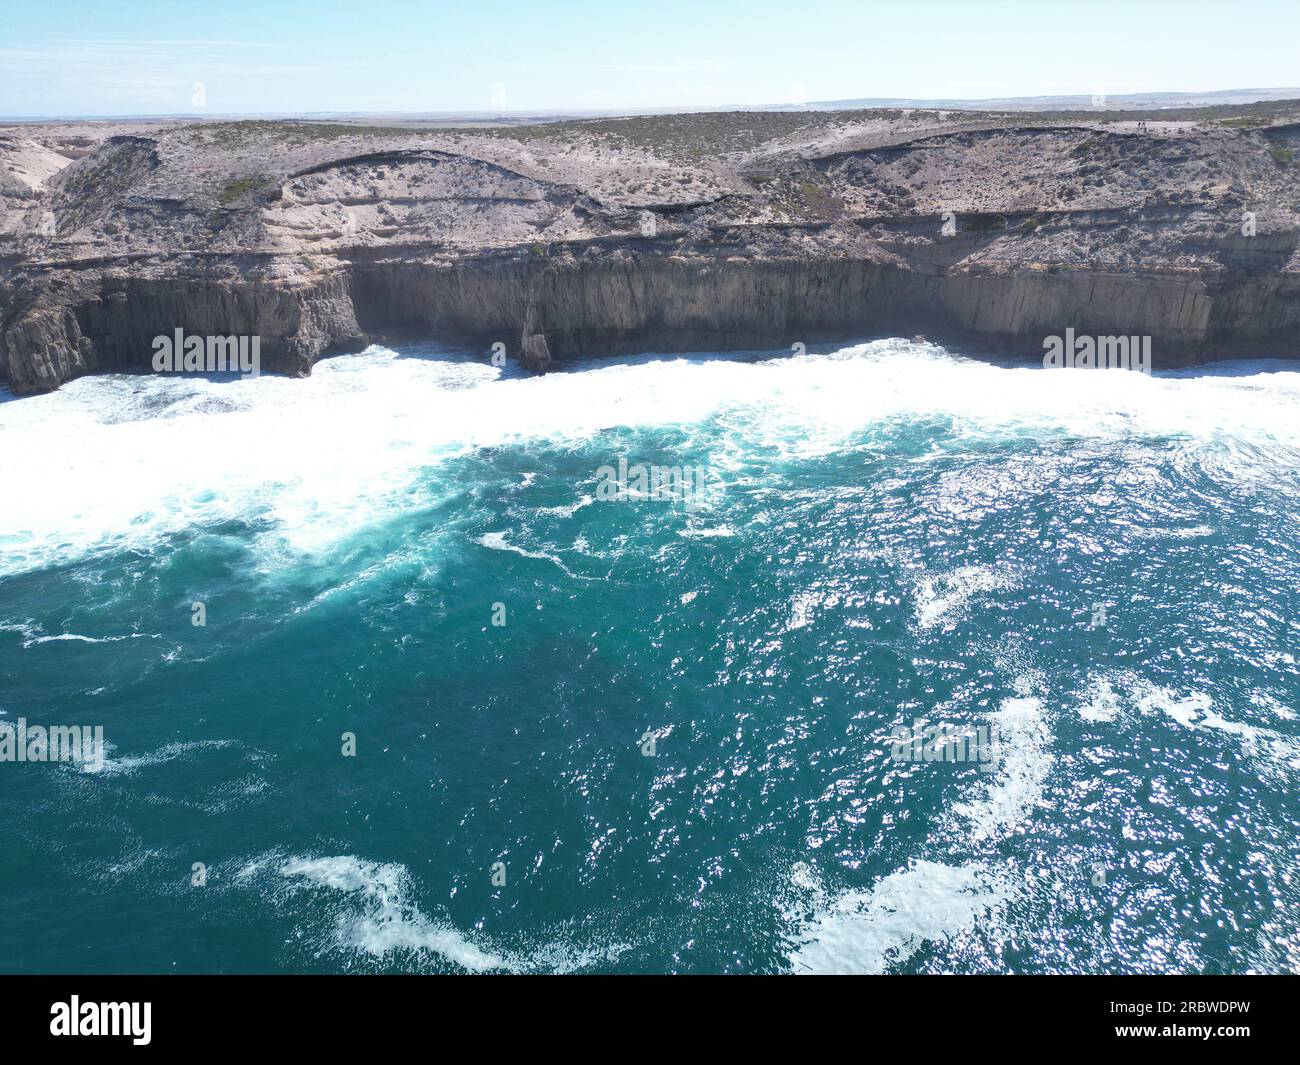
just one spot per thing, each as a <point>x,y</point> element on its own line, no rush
<point>449,711</point>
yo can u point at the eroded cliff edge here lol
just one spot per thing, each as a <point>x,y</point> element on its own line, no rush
<point>667,233</point>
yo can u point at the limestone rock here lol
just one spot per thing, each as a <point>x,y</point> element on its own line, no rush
<point>982,230</point>
<point>534,353</point>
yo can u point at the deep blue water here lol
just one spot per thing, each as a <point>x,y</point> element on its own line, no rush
<point>676,749</point>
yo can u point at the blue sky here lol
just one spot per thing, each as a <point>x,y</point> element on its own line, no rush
<point>87,57</point>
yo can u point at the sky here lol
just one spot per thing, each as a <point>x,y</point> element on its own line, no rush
<point>137,57</point>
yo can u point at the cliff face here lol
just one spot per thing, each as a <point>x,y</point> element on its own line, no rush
<point>648,234</point>
<point>645,302</point>
<point>112,325</point>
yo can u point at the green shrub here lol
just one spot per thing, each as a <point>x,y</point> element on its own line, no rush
<point>237,188</point>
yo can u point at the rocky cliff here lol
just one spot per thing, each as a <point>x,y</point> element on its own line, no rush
<point>714,231</point>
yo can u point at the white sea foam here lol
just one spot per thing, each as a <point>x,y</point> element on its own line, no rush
<point>124,460</point>
<point>567,511</point>
<point>1102,703</point>
<point>386,921</point>
<point>73,637</point>
<point>710,533</point>
<point>129,764</point>
<point>942,598</point>
<point>1277,753</point>
<point>382,920</point>
<point>870,931</point>
<point>34,637</point>
<point>1115,694</point>
<point>497,541</point>
<point>1186,710</point>
<point>802,610</point>
<point>866,932</point>
<point>26,629</point>
<point>1023,760</point>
